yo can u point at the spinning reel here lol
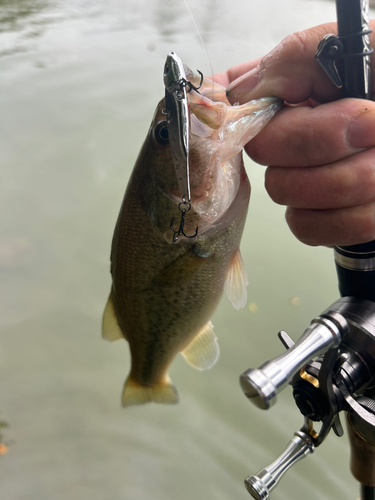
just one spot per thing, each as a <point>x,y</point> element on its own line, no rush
<point>332,370</point>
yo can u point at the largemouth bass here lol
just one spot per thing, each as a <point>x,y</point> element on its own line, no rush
<point>163,293</point>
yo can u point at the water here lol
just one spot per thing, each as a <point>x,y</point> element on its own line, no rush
<point>78,87</point>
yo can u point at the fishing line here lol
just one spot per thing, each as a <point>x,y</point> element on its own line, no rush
<point>202,42</point>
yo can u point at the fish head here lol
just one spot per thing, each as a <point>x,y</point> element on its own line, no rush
<point>218,132</point>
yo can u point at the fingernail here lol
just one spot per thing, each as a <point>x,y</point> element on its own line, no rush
<point>240,90</point>
<point>361,130</point>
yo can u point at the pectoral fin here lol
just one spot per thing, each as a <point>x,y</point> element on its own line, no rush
<point>204,350</point>
<point>110,327</point>
<point>237,281</point>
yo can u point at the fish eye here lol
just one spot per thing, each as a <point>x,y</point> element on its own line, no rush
<point>161,133</point>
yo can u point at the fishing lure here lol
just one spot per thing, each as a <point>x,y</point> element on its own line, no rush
<point>177,111</point>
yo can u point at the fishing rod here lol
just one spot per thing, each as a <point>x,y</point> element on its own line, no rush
<point>332,366</point>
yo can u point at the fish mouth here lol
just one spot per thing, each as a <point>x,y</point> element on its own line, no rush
<point>218,132</point>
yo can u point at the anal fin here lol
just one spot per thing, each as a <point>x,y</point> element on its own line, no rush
<point>110,326</point>
<point>237,281</point>
<point>203,351</point>
<point>137,394</point>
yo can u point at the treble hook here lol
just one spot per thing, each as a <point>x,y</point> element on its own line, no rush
<point>176,234</point>
<point>187,83</point>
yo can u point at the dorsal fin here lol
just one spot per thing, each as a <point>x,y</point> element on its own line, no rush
<point>203,351</point>
<point>110,326</point>
<point>237,281</point>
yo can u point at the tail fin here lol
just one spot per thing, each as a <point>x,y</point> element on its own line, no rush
<point>137,394</point>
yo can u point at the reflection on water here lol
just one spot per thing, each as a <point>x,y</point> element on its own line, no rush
<point>21,14</point>
<point>19,23</point>
<point>78,87</point>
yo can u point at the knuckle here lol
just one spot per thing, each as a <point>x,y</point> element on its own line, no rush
<point>304,40</point>
<point>295,43</point>
<point>298,41</point>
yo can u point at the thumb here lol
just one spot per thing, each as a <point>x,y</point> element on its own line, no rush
<point>289,72</point>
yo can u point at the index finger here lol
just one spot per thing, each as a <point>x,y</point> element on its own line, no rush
<point>289,71</point>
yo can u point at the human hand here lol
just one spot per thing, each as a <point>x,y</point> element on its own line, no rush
<point>320,151</point>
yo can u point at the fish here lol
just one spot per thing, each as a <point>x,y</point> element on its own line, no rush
<point>164,291</point>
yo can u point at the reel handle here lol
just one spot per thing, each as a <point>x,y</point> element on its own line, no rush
<point>260,485</point>
<point>262,384</point>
